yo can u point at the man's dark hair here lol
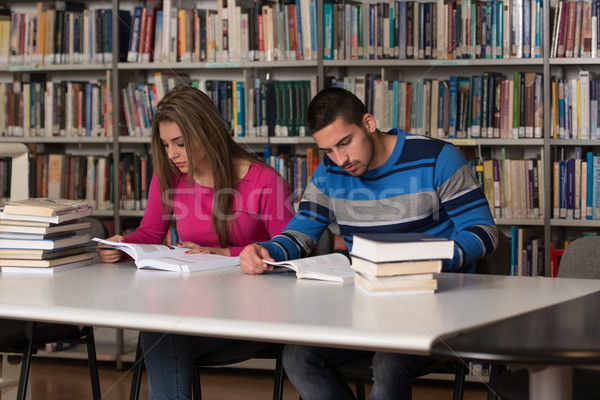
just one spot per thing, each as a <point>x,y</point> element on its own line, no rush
<point>333,103</point>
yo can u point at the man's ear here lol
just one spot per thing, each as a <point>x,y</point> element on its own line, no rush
<point>369,123</point>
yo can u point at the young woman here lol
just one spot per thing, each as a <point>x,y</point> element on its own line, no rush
<point>221,197</point>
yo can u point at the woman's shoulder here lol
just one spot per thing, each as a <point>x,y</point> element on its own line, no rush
<point>262,173</point>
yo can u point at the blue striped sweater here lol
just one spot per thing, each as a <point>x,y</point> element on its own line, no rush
<point>424,186</point>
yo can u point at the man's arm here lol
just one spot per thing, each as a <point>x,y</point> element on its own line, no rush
<point>465,203</point>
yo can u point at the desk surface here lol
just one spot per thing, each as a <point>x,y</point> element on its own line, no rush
<point>277,307</point>
<point>565,333</point>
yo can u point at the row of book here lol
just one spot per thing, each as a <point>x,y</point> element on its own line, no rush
<point>270,108</point>
<point>576,28</point>
<point>44,236</point>
<point>433,30</point>
<point>482,106</point>
<point>296,169</point>
<point>91,179</point>
<point>576,187</point>
<point>527,251</point>
<point>56,108</point>
<point>513,188</point>
<point>61,32</point>
<point>575,107</point>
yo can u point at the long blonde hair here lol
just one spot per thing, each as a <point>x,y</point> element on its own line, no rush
<point>198,120</point>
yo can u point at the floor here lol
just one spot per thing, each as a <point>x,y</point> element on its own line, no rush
<point>56,379</point>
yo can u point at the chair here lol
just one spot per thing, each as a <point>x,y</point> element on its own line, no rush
<point>238,353</point>
<point>581,259</point>
<point>24,337</point>
<point>496,262</point>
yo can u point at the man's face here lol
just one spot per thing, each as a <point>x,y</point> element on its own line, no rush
<point>349,146</point>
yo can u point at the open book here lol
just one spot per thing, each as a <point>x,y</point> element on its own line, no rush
<point>329,267</point>
<point>171,258</point>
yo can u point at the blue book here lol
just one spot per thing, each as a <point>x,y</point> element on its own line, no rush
<point>402,30</point>
<point>527,28</point>
<point>537,39</point>
<point>562,184</point>
<point>596,187</point>
<point>299,51</point>
<point>514,238</point>
<point>327,31</point>
<point>590,184</point>
<point>500,29</point>
<point>452,116</point>
<point>312,9</point>
<point>240,128</point>
<point>561,109</point>
<point>372,15</point>
<point>267,154</point>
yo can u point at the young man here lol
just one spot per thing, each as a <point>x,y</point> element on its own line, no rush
<point>372,181</point>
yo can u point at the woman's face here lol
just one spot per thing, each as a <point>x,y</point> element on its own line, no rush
<point>174,145</point>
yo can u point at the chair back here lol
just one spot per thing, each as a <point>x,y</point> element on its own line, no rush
<point>324,245</point>
<point>19,179</point>
<point>581,259</point>
<point>498,261</point>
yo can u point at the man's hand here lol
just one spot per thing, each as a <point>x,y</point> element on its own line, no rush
<point>109,254</point>
<point>251,259</point>
<point>196,248</point>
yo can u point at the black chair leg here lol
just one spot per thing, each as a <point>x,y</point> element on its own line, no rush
<point>93,365</point>
<point>138,368</point>
<point>495,371</point>
<point>459,380</point>
<point>360,390</point>
<point>196,390</point>
<point>278,387</point>
<point>26,361</point>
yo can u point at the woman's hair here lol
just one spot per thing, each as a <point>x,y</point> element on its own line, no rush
<point>331,104</point>
<point>199,121</point>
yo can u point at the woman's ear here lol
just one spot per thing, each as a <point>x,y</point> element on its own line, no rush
<point>369,123</point>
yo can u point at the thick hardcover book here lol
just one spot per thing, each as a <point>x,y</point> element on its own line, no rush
<point>420,282</point>
<point>387,247</point>
<point>45,207</point>
<point>169,258</point>
<point>44,244</point>
<point>366,267</point>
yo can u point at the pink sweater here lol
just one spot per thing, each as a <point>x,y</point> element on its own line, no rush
<point>261,202</point>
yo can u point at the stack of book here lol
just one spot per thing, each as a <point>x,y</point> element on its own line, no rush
<point>403,263</point>
<point>44,235</point>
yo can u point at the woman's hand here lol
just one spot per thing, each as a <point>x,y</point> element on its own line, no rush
<point>196,248</point>
<point>107,253</point>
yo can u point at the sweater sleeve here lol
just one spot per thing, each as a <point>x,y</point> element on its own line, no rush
<point>155,224</point>
<point>304,230</point>
<point>475,232</point>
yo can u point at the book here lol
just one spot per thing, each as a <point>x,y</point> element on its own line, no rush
<point>44,244</point>
<point>56,219</point>
<point>45,207</point>
<point>387,247</point>
<point>14,227</point>
<point>333,267</point>
<point>34,254</point>
<point>51,262</point>
<point>170,258</point>
<point>46,270</point>
<point>366,267</point>
<point>396,283</point>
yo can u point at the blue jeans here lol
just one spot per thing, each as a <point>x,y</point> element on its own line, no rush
<point>169,361</point>
<point>312,371</point>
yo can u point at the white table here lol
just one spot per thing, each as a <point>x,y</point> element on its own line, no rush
<point>278,307</point>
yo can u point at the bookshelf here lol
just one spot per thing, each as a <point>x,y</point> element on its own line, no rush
<point>316,68</point>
